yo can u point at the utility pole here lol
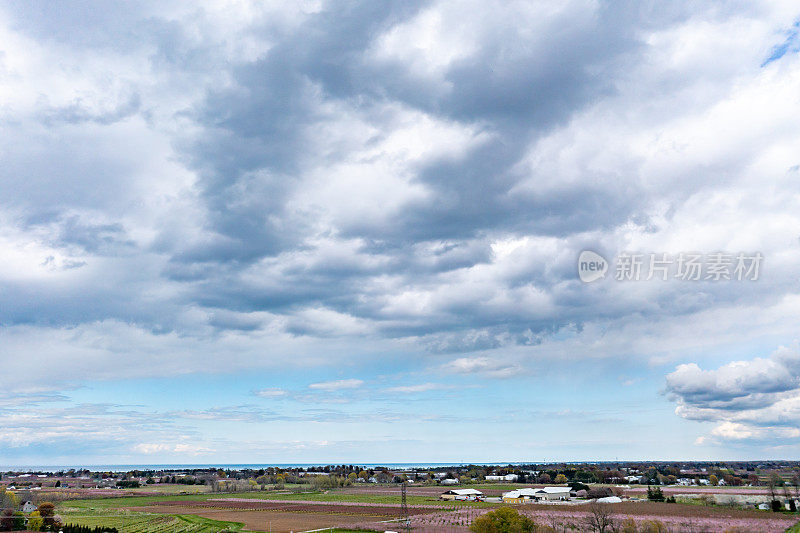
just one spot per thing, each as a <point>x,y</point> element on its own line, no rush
<point>404,507</point>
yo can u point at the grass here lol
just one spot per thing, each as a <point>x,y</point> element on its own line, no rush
<point>794,529</point>
<point>147,522</point>
<point>131,501</point>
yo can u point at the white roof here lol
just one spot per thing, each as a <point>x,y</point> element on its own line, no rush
<point>520,492</point>
<point>533,492</point>
<point>556,490</point>
<point>609,499</point>
<point>464,492</point>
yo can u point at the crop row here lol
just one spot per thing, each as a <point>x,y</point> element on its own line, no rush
<point>152,523</point>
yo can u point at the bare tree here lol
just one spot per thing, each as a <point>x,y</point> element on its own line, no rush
<point>772,484</point>
<point>559,525</point>
<point>600,518</point>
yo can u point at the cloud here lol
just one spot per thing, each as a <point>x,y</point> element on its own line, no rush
<point>340,384</point>
<point>268,182</point>
<point>283,186</point>
<point>56,430</point>
<point>270,393</point>
<point>150,448</point>
<point>420,387</point>
<point>753,383</point>
<point>483,366</point>
<point>253,414</point>
<point>757,399</point>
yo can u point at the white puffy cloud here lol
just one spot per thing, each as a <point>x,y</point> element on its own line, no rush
<point>748,382</point>
<point>747,400</point>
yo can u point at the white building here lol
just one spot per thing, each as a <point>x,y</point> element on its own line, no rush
<point>542,494</point>
<point>462,494</point>
<point>554,493</point>
<point>449,481</point>
<point>29,507</point>
<point>507,477</point>
<point>609,499</point>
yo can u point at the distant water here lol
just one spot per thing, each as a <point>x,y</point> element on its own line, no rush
<point>254,466</point>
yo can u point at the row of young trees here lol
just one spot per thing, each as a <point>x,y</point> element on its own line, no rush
<point>72,528</point>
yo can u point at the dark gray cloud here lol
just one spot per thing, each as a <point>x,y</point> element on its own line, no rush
<point>256,145</point>
<point>256,142</point>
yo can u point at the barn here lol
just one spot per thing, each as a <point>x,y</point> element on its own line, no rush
<point>462,494</point>
<point>542,494</point>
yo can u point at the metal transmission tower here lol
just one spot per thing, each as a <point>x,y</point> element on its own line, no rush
<point>404,508</point>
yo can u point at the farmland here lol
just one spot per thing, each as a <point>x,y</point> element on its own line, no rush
<point>671,517</point>
<point>133,522</point>
<point>381,495</point>
<point>199,515</point>
<point>377,507</point>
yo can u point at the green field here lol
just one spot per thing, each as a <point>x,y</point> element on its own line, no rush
<point>329,496</point>
<point>94,504</point>
<point>147,522</point>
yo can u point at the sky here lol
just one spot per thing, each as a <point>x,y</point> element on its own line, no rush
<point>311,231</point>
